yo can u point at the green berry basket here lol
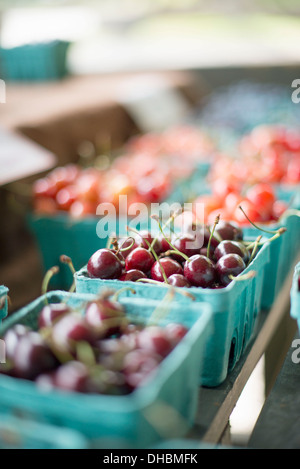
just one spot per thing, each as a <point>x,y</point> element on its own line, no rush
<point>295,295</point>
<point>35,62</point>
<point>163,408</point>
<point>235,309</point>
<point>17,433</point>
<point>3,302</point>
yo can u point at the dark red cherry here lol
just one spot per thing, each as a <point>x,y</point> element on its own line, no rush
<point>104,264</point>
<point>155,340</point>
<point>105,317</point>
<point>231,247</point>
<point>230,264</point>
<point>51,313</point>
<point>132,275</point>
<point>165,244</point>
<point>203,235</point>
<point>138,365</point>
<point>166,264</point>
<point>120,256</point>
<point>200,271</point>
<point>187,244</point>
<point>139,259</point>
<point>229,230</point>
<point>175,332</point>
<point>69,331</point>
<point>32,356</point>
<point>12,337</point>
<point>127,245</point>
<point>72,376</point>
<point>178,280</point>
<point>145,238</point>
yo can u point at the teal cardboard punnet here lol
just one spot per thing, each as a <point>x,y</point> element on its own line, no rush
<point>235,309</point>
<point>165,407</point>
<point>19,433</point>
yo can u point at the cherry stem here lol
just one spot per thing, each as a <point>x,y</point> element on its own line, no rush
<point>170,219</point>
<point>211,234</point>
<point>175,251</point>
<point>255,246</point>
<point>163,309</point>
<point>152,251</point>
<point>116,295</point>
<point>109,241</point>
<point>162,284</point>
<point>68,261</point>
<point>168,241</point>
<point>49,274</point>
<point>250,274</point>
<point>128,247</point>
<point>255,226</point>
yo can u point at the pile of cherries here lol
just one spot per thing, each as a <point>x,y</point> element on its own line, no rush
<point>146,171</point>
<point>202,256</point>
<point>258,200</point>
<point>100,351</point>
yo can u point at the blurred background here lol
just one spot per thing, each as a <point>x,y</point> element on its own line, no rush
<point>81,78</point>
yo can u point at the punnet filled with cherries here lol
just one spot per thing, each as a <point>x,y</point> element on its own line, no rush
<point>201,255</point>
<point>92,349</point>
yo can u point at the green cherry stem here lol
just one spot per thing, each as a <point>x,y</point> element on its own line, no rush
<point>68,261</point>
<point>116,294</point>
<point>49,274</point>
<point>170,220</point>
<point>174,250</point>
<point>250,274</point>
<point>255,247</point>
<point>153,254</point>
<point>211,234</point>
<point>163,309</point>
<point>257,227</point>
<point>181,291</point>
